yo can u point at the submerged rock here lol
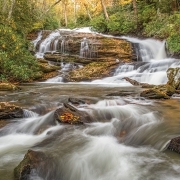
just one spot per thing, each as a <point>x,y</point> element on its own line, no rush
<point>174,145</point>
<point>71,115</point>
<point>8,111</point>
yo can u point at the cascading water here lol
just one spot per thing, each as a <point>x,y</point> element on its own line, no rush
<point>115,146</point>
<point>49,44</point>
<point>84,49</point>
<point>152,70</point>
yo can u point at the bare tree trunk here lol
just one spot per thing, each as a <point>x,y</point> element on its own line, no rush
<point>174,5</point>
<point>87,10</point>
<point>104,10</point>
<point>65,14</point>
<point>11,8</point>
<point>135,10</point>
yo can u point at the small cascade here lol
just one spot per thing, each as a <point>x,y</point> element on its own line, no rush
<point>84,49</point>
<point>148,49</point>
<point>49,44</point>
<point>64,45</point>
<point>89,48</point>
<point>37,40</point>
<point>28,113</point>
<point>162,51</point>
<point>124,68</point>
<point>150,68</point>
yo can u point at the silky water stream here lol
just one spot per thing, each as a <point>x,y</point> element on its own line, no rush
<point>126,141</point>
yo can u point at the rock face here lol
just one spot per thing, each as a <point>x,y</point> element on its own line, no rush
<point>173,75</point>
<point>8,111</point>
<point>99,57</point>
<point>70,115</point>
<point>174,145</point>
<point>92,71</point>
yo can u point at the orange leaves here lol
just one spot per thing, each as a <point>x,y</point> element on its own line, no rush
<point>68,117</point>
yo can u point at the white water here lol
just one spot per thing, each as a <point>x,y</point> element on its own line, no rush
<point>84,48</point>
<point>46,44</point>
<point>124,142</point>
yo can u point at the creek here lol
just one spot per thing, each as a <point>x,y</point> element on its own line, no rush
<point>127,140</point>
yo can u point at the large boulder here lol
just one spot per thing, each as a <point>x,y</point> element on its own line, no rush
<point>35,163</point>
<point>9,111</point>
<point>71,115</point>
<point>174,145</point>
<point>154,94</point>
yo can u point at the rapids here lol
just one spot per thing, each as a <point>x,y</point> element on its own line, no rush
<point>126,141</point>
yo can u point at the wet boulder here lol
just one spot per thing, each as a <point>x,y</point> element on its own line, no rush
<point>34,165</point>
<point>9,111</point>
<point>71,115</point>
<point>174,145</point>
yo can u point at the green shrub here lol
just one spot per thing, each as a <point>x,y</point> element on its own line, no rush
<point>122,23</point>
<point>99,24</point>
<point>16,62</point>
<point>50,22</point>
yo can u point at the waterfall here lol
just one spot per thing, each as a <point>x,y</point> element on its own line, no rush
<point>84,49</point>
<point>37,40</point>
<point>152,69</point>
<point>149,49</point>
<point>64,45</point>
<point>49,44</point>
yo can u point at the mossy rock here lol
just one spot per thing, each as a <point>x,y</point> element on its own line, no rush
<point>173,75</point>
<point>154,94</point>
<point>46,68</point>
<point>92,71</point>
<point>9,111</point>
<point>8,87</point>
